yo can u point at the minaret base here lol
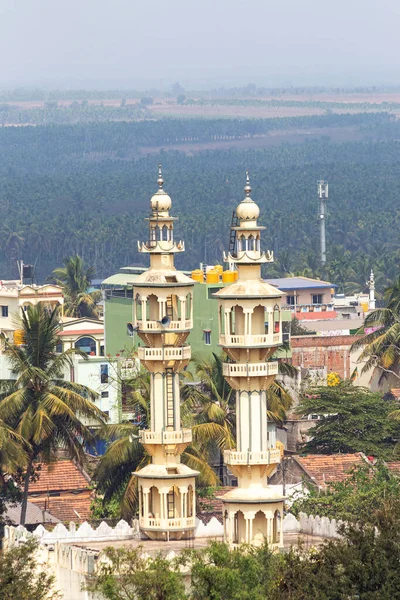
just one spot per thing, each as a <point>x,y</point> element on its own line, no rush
<point>167,508</point>
<point>253,516</point>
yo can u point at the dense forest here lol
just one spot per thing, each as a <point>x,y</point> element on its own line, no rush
<point>85,188</point>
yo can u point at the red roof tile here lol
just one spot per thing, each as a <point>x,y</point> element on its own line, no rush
<point>63,475</point>
<point>67,508</point>
<point>329,468</point>
<point>394,466</point>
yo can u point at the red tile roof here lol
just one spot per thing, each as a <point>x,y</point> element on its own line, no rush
<point>329,468</point>
<point>314,316</point>
<point>67,508</point>
<point>63,475</point>
<point>81,331</point>
<point>394,466</point>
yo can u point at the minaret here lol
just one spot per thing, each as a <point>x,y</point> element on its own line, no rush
<point>163,318</point>
<point>250,332</point>
<point>371,285</point>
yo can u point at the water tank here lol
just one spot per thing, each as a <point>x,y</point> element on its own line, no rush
<point>228,277</point>
<point>198,275</point>
<point>212,276</point>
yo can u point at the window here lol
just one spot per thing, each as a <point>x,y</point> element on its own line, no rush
<point>317,298</point>
<point>86,344</point>
<point>104,373</point>
<point>207,337</point>
<point>104,394</point>
<point>290,300</point>
<point>101,350</point>
<point>4,311</point>
<point>59,347</point>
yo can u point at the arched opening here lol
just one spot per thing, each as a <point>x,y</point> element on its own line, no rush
<point>152,234</point>
<point>260,527</point>
<point>277,319</point>
<point>138,307</point>
<point>266,321</point>
<point>141,502</point>
<point>239,528</point>
<point>242,243</point>
<point>172,502</point>
<point>154,507</point>
<point>86,344</point>
<point>188,306</point>
<point>152,308</point>
<point>221,320</point>
<point>258,320</point>
<point>173,307</point>
<point>165,233</point>
<point>236,321</point>
<point>250,243</point>
<point>190,496</point>
<point>276,527</point>
<point>258,246</point>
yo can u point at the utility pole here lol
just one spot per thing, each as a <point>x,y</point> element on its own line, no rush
<point>322,196</point>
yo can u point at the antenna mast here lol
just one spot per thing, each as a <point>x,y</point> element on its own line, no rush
<point>322,196</point>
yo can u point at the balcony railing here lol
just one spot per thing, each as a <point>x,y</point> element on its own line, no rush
<point>181,325</point>
<point>165,353</point>
<point>242,341</point>
<point>270,457</point>
<point>310,307</point>
<point>250,369</point>
<point>184,436</point>
<point>167,524</point>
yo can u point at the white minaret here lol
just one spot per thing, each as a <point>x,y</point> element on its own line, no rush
<point>371,286</point>
<point>250,332</point>
<point>163,317</point>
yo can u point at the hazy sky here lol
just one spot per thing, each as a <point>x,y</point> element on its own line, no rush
<point>126,43</point>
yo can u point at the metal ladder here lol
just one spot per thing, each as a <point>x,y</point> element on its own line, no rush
<point>232,238</point>
<point>169,307</point>
<point>169,384</point>
<point>171,505</point>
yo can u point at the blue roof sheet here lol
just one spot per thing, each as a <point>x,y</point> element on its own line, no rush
<point>303,283</point>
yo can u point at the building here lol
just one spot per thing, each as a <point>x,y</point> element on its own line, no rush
<point>163,318</point>
<point>250,329</point>
<point>93,370</point>
<point>63,490</point>
<point>16,297</point>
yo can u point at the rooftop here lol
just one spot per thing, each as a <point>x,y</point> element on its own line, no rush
<point>62,475</point>
<point>329,468</point>
<point>290,283</point>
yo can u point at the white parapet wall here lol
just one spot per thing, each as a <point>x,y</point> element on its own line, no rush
<point>310,525</point>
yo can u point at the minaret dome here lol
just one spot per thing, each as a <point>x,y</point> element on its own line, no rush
<point>160,202</point>
<point>247,210</point>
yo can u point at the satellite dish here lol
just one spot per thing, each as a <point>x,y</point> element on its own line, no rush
<point>165,321</point>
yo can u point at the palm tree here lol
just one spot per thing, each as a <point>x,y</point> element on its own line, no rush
<point>75,280</point>
<point>125,454</point>
<point>381,347</point>
<point>39,406</point>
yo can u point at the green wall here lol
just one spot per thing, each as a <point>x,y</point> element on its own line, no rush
<point>117,313</point>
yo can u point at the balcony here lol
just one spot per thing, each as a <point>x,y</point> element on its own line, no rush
<point>250,369</point>
<point>184,436</point>
<point>245,341</point>
<point>156,524</point>
<point>156,326</point>
<point>165,353</point>
<point>270,457</point>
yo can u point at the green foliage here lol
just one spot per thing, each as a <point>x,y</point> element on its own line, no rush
<point>75,279</point>
<point>21,578</point>
<point>106,509</point>
<point>127,576</point>
<point>217,573</point>
<point>358,498</point>
<point>352,419</point>
<point>43,409</point>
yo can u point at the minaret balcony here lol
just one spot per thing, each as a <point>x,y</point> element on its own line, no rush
<point>263,369</point>
<point>183,436</point>
<point>166,353</point>
<point>268,457</point>
<point>249,341</point>
<point>157,326</point>
<point>175,524</point>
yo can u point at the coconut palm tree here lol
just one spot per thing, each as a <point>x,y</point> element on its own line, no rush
<point>381,347</point>
<point>75,278</point>
<point>38,405</point>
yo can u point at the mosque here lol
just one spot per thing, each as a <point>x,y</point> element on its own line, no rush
<point>250,331</point>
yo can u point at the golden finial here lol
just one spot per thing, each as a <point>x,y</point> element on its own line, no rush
<point>247,187</point>
<point>160,179</point>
